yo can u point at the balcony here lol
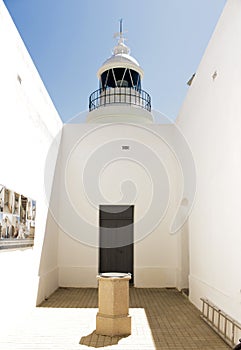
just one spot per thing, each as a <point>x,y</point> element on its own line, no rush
<point>120,95</point>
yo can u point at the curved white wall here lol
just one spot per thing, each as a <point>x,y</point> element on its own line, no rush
<point>92,158</point>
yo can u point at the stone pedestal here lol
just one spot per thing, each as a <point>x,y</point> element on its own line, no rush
<point>113,317</point>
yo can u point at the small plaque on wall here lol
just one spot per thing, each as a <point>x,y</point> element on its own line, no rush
<point>17,219</point>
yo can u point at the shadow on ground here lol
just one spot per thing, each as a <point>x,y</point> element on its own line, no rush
<point>98,341</point>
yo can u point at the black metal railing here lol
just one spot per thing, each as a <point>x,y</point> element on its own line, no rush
<point>126,95</point>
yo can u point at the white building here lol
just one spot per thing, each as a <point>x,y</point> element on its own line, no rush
<point>29,124</point>
<point>210,120</point>
<point>119,159</point>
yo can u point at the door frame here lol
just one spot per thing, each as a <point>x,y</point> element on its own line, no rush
<point>101,207</point>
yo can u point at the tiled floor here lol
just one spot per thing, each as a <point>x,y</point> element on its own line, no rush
<point>161,319</point>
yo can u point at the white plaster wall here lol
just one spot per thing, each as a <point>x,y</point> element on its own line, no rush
<point>183,268</point>
<point>210,120</point>
<point>155,256</point>
<point>29,123</point>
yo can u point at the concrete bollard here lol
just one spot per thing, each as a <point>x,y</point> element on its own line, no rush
<point>113,317</point>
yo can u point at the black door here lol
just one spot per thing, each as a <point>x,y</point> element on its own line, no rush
<point>116,239</point>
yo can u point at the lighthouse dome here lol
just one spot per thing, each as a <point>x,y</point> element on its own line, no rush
<point>121,58</point>
<point>120,96</point>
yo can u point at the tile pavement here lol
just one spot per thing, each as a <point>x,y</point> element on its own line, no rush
<point>161,319</point>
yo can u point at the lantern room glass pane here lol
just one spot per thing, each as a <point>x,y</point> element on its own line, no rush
<point>120,77</point>
<point>136,79</point>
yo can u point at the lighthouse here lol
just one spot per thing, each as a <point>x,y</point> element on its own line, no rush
<point>115,191</point>
<point>120,97</point>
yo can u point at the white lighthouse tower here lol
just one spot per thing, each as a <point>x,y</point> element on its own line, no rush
<point>120,97</point>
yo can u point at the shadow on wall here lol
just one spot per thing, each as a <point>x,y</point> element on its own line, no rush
<point>48,267</point>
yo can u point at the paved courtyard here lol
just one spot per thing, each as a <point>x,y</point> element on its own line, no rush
<point>161,319</point>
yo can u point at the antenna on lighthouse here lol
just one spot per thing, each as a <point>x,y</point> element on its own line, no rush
<point>120,33</point>
<point>121,48</point>
<point>121,24</point>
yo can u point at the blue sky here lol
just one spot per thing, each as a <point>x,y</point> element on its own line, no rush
<point>68,41</point>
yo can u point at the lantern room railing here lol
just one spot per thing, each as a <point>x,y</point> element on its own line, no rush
<point>125,95</point>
